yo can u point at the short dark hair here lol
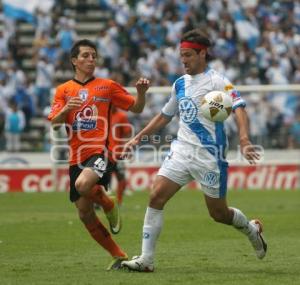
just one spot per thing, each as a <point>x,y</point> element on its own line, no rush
<point>76,48</point>
<point>197,36</point>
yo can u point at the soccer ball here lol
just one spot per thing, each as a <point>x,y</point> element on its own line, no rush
<point>216,106</point>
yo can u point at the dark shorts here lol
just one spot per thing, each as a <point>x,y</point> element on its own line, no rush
<point>103,169</point>
<point>119,170</point>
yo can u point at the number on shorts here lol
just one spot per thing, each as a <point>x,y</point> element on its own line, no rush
<point>100,164</point>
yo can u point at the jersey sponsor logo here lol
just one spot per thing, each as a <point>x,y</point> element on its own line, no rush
<point>188,110</point>
<point>99,99</point>
<point>235,95</point>
<point>228,87</point>
<point>84,119</point>
<point>83,94</point>
<point>100,88</point>
<point>85,114</point>
<point>210,178</point>
<point>83,125</point>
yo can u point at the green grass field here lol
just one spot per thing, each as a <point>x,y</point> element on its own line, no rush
<point>43,242</point>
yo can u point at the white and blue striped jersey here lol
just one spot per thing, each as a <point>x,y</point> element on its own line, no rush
<point>186,97</point>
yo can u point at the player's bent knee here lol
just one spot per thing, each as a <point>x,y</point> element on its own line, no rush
<point>82,187</point>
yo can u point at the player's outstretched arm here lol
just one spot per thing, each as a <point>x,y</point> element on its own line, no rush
<point>157,123</point>
<point>142,86</point>
<point>247,148</point>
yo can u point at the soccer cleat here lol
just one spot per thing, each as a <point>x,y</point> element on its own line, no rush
<point>115,264</point>
<point>113,217</point>
<point>138,263</point>
<point>257,239</point>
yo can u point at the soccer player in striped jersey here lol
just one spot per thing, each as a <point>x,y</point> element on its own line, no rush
<point>199,153</point>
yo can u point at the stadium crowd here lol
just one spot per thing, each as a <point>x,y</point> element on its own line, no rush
<point>255,42</point>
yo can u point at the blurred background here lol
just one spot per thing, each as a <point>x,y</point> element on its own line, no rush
<point>256,44</point>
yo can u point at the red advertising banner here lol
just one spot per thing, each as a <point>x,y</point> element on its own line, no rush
<point>262,177</point>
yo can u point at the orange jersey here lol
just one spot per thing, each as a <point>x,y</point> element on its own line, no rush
<point>88,127</point>
<point>121,130</point>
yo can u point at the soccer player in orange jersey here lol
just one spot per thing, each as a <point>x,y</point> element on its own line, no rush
<point>84,105</point>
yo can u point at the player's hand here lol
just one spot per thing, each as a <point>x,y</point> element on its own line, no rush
<point>142,85</point>
<point>73,103</point>
<point>128,148</point>
<point>249,152</point>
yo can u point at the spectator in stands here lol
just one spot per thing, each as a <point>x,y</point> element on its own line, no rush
<point>9,26</point>
<point>66,37</point>
<point>51,52</point>
<point>263,55</point>
<point>40,42</point>
<point>275,125</point>
<point>14,125</point>
<point>121,11</point>
<point>127,40</point>
<point>25,103</point>
<point>16,50</point>
<point>294,132</point>
<point>43,23</point>
<point>257,109</point>
<point>3,45</point>
<point>275,74</point>
<point>2,124</point>
<point>252,78</point>
<point>44,82</point>
<point>15,78</point>
<point>6,92</point>
<point>106,45</point>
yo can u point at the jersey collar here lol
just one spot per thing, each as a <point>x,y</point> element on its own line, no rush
<point>84,83</point>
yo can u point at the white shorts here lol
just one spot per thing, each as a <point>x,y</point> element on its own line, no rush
<point>183,165</point>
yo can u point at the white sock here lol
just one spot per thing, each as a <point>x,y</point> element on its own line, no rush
<point>152,226</point>
<point>241,223</point>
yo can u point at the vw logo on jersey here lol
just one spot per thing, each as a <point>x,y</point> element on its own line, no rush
<point>210,178</point>
<point>188,110</point>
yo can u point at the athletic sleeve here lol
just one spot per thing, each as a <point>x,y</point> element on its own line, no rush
<point>225,85</point>
<point>120,97</point>
<point>57,104</point>
<point>171,107</point>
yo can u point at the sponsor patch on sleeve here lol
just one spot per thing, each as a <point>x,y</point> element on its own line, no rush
<point>228,87</point>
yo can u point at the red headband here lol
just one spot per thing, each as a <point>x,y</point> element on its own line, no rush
<point>192,45</point>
